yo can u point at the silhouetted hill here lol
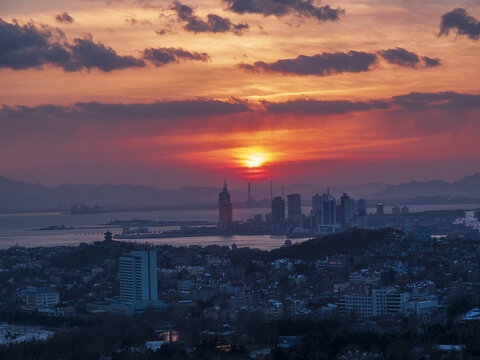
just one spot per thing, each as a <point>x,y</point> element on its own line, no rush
<point>353,242</point>
<point>472,181</point>
<point>468,187</point>
<point>21,196</point>
<point>415,189</point>
<point>348,242</point>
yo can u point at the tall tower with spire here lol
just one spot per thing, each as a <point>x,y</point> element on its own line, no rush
<point>225,213</point>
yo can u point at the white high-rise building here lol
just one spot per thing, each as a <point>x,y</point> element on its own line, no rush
<point>138,276</point>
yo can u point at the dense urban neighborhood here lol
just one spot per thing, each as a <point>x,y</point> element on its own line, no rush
<point>360,294</point>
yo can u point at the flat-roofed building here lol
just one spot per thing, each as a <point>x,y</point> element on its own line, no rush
<point>381,303</point>
<point>41,297</point>
<point>138,276</point>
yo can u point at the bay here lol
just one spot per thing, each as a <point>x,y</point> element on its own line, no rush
<point>16,229</point>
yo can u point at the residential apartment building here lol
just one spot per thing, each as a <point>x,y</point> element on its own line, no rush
<point>41,297</point>
<point>382,302</point>
<point>138,276</point>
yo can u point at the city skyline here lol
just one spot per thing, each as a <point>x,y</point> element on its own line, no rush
<point>239,179</point>
<point>159,93</point>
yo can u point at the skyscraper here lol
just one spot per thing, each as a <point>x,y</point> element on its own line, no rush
<point>329,216</point>
<point>225,213</point>
<point>278,212</point>
<point>324,213</point>
<point>138,276</point>
<point>294,207</point>
<point>346,205</point>
<point>317,204</point>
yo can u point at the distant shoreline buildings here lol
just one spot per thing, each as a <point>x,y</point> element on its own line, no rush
<point>327,215</point>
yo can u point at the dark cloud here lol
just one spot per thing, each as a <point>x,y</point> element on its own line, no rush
<point>164,56</point>
<point>320,64</point>
<point>413,102</point>
<point>402,57</point>
<point>444,100</point>
<point>60,121</point>
<point>213,24</point>
<point>279,8</point>
<point>159,110</point>
<point>464,24</point>
<point>54,125</point>
<point>88,54</point>
<point>334,63</point>
<point>30,46</point>
<point>318,107</point>
<point>431,62</point>
<point>23,47</point>
<point>133,112</point>
<point>64,18</point>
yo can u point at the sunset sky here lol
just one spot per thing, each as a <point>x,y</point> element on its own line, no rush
<point>175,93</point>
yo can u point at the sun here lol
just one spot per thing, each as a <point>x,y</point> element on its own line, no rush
<point>252,158</point>
<point>255,160</point>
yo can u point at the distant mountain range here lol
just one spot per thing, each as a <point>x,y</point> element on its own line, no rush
<point>22,196</point>
<point>468,187</point>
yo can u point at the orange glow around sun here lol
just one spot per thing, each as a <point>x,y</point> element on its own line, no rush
<point>252,162</point>
<point>259,155</point>
<point>254,159</point>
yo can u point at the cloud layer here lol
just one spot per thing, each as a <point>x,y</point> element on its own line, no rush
<point>279,8</point>
<point>414,101</point>
<point>322,107</point>
<point>335,63</point>
<point>208,134</point>
<point>448,100</point>
<point>320,65</point>
<point>96,111</point>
